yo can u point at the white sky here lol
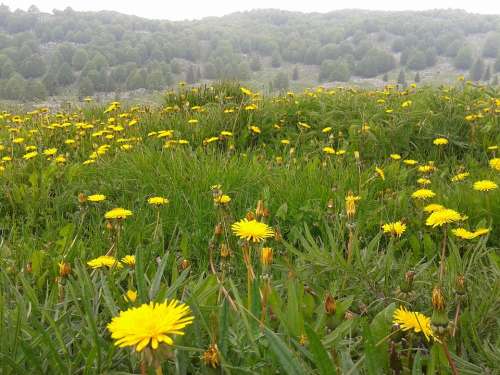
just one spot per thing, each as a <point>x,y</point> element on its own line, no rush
<point>189,9</point>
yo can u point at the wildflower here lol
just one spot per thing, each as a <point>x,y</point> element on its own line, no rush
<point>395,156</point>
<point>64,269</point>
<point>158,201</point>
<point>118,213</point>
<point>30,155</point>
<point>442,217</point>
<point>130,296</point>
<point>104,261</point>
<point>326,130</point>
<point>50,152</point>
<point>96,198</point>
<point>266,256</point>
<point>252,230</point>
<point>423,181</point>
<point>380,172</point>
<point>460,176</point>
<point>396,229</point>
<point>433,207</point>
<point>129,260</point>
<point>222,199</point>
<point>495,164</point>
<point>150,323</point>
<point>328,150</point>
<point>330,304</point>
<point>440,141</point>
<point>350,202</point>
<point>255,129</point>
<point>413,321</point>
<point>485,185</point>
<point>468,235</point>
<point>211,356</point>
<point>410,162</point>
<point>423,194</point>
<point>428,168</point>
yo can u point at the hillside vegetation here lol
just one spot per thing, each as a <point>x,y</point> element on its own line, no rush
<point>333,231</point>
<point>80,53</point>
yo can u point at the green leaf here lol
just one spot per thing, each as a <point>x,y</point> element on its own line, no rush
<point>286,358</point>
<point>321,358</point>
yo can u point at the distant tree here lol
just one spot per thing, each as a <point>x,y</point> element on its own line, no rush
<point>337,70</point>
<point>276,59</point>
<point>402,78</point>
<point>417,61</point>
<point>477,70</point>
<point>80,59</point>
<point>176,66</point>
<point>244,71</point>
<point>50,81</point>
<point>385,77</point>
<point>155,80</point>
<point>494,82</point>
<point>255,63</point>
<point>398,45</point>
<point>280,81</point>
<point>15,87</point>
<point>136,80</point>
<point>6,67</point>
<point>35,90</point>
<point>209,71</point>
<point>375,62</point>
<point>430,57</point>
<point>464,58</point>
<point>487,74</point>
<point>496,66</point>
<point>491,46</point>
<point>65,75</point>
<point>417,77</point>
<point>190,75</point>
<point>295,73</point>
<point>85,87</point>
<point>33,67</point>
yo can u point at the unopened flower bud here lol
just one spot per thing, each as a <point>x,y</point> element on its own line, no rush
<point>266,256</point>
<point>250,216</point>
<point>64,269</point>
<point>224,250</point>
<point>438,299</point>
<point>82,198</point>
<point>185,264</point>
<point>330,304</point>
<point>218,230</point>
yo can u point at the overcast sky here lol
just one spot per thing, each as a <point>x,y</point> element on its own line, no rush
<point>188,9</point>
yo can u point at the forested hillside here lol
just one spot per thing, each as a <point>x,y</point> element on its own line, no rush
<point>80,53</point>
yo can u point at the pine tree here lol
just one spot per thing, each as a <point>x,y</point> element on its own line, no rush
<point>417,77</point>
<point>487,74</point>
<point>190,78</point>
<point>385,77</point>
<point>402,77</point>
<point>477,70</point>
<point>295,73</point>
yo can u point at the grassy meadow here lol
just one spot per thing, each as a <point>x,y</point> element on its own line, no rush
<point>372,248</point>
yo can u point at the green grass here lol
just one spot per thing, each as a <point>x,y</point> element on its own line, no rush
<point>54,324</point>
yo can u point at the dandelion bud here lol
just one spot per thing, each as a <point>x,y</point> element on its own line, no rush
<point>29,267</point>
<point>330,304</point>
<point>130,296</point>
<point>250,216</point>
<point>303,340</point>
<point>218,230</point>
<point>109,225</point>
<point>460,284</point>
<point>438,299</point>
<point>185,264</point>
<point>266,256</point>
<point>224,250</point>
<point>349,315</point>
<point>259,211</point>
<point>82,198</point>
<point>277,235</point>
<point>211,356</point>
<point>64,269</point>
<point>330,204</point>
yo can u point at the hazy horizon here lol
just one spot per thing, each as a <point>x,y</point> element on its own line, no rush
<point>193,10</point>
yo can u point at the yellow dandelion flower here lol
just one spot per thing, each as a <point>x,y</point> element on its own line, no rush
<point>130,296</point>
<point>158,201</point>
<point>485,185</point>
<point>255,129</point>
<point>460,177</point>
<point>252,230</point>
<point>96,198</point>
<point>326,130</point>
<point>395,156</point>
<point>468,235</point>
<point>129,260</point>
<point>380,172</point>
<point>440,141</point>
<point>104,261</point>
<point>118,213</point>
<point>423,194</point>
<point>433,207</point>
<point>396,229</point>
<point>442,217</point>
<point>423,181</point>
<point>151,323</point>
<point>30,155</point>
<point>495,164</point>
<point>328,150</point>
<point>222,199</point>
<point>410,162</point>
<point>413,321</point>
<point>350,203</point>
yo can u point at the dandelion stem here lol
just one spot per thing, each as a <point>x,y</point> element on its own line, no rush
<point>443,254</point>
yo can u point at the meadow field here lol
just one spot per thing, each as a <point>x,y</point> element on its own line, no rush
<point>331,231</point>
